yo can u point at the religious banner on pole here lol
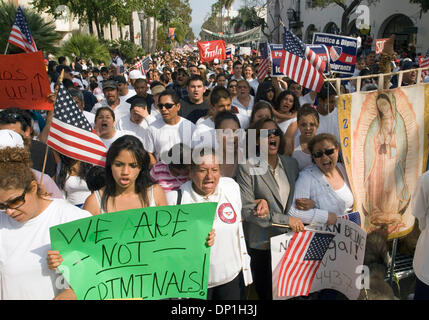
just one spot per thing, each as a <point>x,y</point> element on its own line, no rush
<point>149,253</point>
<point>24,82</point>
<point>318,266</point>
<point>210,50</point>
<point>384,141</point>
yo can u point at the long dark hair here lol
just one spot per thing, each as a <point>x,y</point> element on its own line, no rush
<point>263,88</point>
<point>282,95</point>
<point>65,169</point>
<point>143,181</point>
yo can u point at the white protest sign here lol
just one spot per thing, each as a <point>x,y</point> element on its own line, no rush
<point>245,50</point>
<point>340,268</point>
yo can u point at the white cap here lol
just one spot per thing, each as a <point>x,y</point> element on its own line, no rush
<point>9,138</point>
<point>136,74</point>
<point>216,61</point>
<point>201,66</point>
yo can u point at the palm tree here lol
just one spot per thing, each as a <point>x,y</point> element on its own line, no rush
<point>43,32</point>
<point>85,46</point>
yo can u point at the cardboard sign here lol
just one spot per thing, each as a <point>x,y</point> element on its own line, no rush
<point>210,50</point>
<point>342,51</point>
<point>379,45</point>
<point>340,266</point>
<point>24,82</point>
<point>149,253</point>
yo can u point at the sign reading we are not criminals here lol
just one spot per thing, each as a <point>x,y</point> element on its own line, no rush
<point>24,82</point>
<point>150,253</point>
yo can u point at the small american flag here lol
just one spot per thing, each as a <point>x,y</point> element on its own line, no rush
<point>301,262</point>
<point>424,63</point>
<point>20,35</point>
<point>353,217</point>
<point>72,135</point>
<point>143,65</point>
<point>301,64</point>
<point>265,60</point>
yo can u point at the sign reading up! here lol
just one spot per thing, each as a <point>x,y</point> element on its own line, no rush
<point>24,82</point>
<point>210,50</point>
<point>149,253</point>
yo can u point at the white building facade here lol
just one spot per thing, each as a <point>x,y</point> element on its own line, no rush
<point>385,17</point>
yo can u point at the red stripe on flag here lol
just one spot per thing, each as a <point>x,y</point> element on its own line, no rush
<point>77,145</point>
<point>78,135</point>
<point>76,155</point>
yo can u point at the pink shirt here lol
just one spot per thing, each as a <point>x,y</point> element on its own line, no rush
<point>161,174</point>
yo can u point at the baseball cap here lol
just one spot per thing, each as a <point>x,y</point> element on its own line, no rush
<point>136,74</point>
<point>202,66</point>
<point>409,65</point>
<point>110,84</point>
<point>157,89</point>
<point>216,61</point>
<point>9,138</point>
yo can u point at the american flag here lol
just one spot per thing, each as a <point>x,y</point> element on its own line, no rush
<point>20,35</point>
<point>301,262</point>
<point>354,217</point>
<point>143,65</point>
<point>265,60</point>
<point>301,64</point>
<point>72,135</point>
<point>424,63</point>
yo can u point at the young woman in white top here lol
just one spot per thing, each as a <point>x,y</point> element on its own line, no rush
<point>285,109</point>
<point>128,184</point>
<point>71,180</point>
<point>296,144</point>
<point>26,214</point>
<point>229,262</point>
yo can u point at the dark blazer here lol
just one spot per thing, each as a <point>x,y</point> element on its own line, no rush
<point>257,183</point>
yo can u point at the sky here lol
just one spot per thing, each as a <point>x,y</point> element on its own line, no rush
<point>201,8</point>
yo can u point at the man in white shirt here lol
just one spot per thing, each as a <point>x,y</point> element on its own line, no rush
<point>171,129</point>
<point>112,100</point>
<point>123,88</point>
<point>328,115</point>
<point>139,119</point>
<point>238,70</point>
<point>296,88</point>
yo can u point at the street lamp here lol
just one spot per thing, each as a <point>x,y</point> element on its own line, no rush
<point>141,18</point>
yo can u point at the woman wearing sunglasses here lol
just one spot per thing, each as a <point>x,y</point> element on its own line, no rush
<point>267,190</point>
<point>26,213</point>
<point>325,182</point>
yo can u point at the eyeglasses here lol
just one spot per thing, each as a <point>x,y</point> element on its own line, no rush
<point>14,203</point>
<point>319,154</point>
<point>166,105</point>
<point>276,132</point>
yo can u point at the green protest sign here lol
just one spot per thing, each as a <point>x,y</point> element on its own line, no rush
<point>148,253</point>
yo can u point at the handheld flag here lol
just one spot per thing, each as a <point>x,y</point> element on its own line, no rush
<point>20,35</point>
<point>301,262</point>
<point>353,216</point>
<point>265,60</point>
<point>72,135</point>
<point>301,64</point>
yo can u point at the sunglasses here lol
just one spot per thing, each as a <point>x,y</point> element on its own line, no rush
<point>319,154</point>
<point>14,203</point>
<point>276,132</point>
<point>166,105</point>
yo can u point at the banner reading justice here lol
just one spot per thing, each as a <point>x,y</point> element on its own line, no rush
<point>384,138</point>
<point>149,253</point>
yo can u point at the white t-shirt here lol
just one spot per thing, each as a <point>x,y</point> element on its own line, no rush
<point>23,252</point>
<point>306,99</point>
<point>122,109</point>
<point>228,255</point>
<point>304,159</point>
<point>254,83</point>
<point>285,124</point>
<point>76,190</point>
<point>329,124</point>
<point>131,93</point>
<point>140,130</point>
<point>161,136</point>
<point>118,134</point>
<point>245,110</point>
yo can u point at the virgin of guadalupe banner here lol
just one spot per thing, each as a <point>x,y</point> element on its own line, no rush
<point>385,146</point>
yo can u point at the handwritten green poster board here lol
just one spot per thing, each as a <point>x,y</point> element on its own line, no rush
<point>149,253</point>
